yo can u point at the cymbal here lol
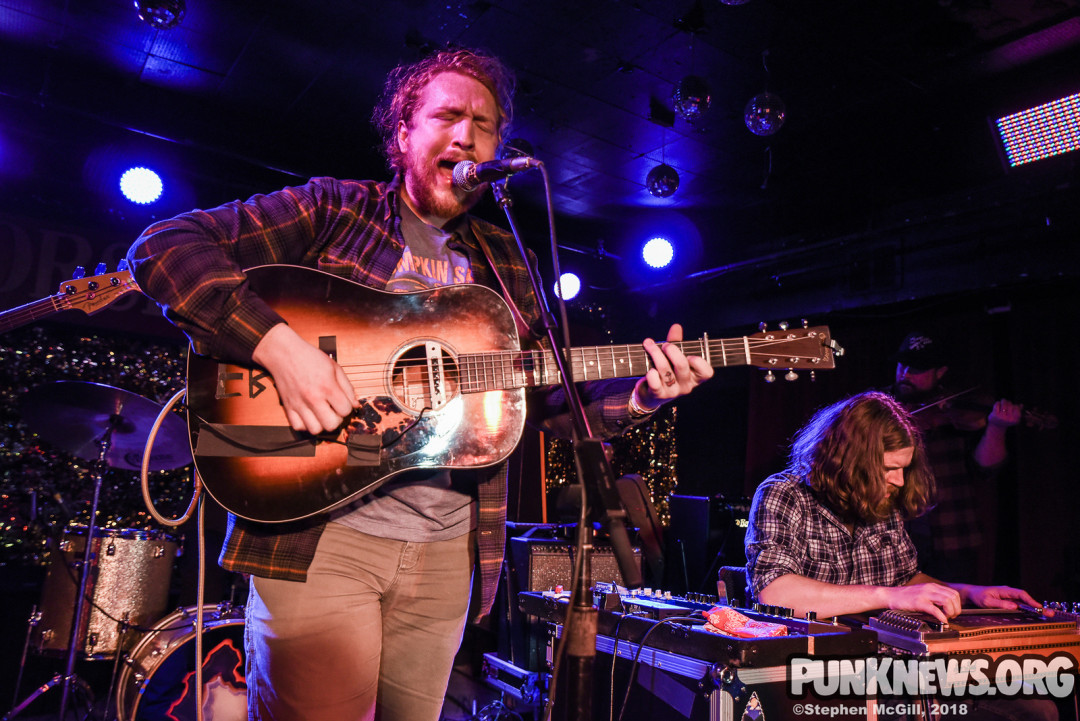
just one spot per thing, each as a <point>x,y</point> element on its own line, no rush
<point>75,415</point>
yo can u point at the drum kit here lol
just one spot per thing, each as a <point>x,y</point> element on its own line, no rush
<point>106,589</point>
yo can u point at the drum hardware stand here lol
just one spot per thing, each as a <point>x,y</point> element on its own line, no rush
<point>80,598</point>
<point>125,626</point>
<point>31,624</point>
<point>83,687</point>
<point>70,415</point>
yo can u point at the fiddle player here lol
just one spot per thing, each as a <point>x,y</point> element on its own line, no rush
<point>827,534</point>
<point>964,448</point>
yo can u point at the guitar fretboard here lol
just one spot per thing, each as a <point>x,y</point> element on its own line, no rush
<point>520,369</point>
<point>86,294</point>
<point>30,312</point>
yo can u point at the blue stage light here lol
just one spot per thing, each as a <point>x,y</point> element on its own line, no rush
<point>141,185</point>
<point>571,286</point>
<point>658,252</point>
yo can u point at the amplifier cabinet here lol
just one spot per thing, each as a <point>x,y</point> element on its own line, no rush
<point>542,564</point>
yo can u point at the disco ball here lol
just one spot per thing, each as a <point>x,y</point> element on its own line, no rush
<point>160,14</point>
<point>662,181</point>
<point>764,114</point>
<point>692,98</point>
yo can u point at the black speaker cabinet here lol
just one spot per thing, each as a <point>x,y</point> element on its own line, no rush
<point>705,533</point>
<point>542,564</point>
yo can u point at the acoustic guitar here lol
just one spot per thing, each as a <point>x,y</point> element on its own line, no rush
<point>441,379</point>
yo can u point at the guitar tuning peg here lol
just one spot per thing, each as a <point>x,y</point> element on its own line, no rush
<point>790,375</point>
<point>101,269</point>
<point>762,327</point>
<point>122,265</point>
<point>805,323</point>
<point>813,376</point>
<point>769,377</point>
<point>80,272</point>
<point>783,325</point>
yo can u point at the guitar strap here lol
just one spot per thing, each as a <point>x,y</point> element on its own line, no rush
<point>524,331</point>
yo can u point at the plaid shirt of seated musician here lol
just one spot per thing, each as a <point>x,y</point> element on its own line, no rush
<point>827,535</point>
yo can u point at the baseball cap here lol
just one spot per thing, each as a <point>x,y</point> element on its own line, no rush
<point>918,350</point>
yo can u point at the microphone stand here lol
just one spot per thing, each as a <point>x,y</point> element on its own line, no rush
<point>597,478</point>
<point>76,624</point>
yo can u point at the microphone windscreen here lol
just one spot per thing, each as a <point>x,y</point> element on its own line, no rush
<point>463,177</point>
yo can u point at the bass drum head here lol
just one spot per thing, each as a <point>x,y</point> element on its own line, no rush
<point>158,680</point>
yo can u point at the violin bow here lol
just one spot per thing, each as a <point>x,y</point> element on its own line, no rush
<point>939,401</point>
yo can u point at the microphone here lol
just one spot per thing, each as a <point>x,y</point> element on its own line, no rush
<point>469,176</point>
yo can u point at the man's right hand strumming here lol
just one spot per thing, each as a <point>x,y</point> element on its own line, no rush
<point>312,387</point>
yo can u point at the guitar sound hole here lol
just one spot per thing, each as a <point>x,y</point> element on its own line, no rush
<point>418,382</point>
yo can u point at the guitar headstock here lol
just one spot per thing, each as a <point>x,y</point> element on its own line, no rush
<point>790,349</point>
<point>96,292</point>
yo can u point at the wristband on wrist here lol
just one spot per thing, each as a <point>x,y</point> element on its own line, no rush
<point>636,409</point>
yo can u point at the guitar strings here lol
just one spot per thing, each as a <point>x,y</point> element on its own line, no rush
<point>581,355</point>
<point>520,365</point>
<point>23,314</point>
<point>733,348</point>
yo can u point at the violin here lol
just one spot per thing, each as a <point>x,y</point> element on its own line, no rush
<point>968,410</point>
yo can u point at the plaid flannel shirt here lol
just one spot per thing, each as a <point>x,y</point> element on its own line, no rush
<point>954,519</point>
<point>192,266</point>
<point>791,531</point>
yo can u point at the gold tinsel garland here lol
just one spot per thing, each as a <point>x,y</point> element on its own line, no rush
<point>43,488</point>
<point>647,449</point>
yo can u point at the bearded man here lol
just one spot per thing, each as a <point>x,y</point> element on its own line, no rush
<point>827,535</point>
<point>359,613</point>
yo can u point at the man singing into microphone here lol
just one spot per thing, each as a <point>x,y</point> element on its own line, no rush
<point>362,612</point>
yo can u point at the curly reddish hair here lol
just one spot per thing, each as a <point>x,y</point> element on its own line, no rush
<point>401,93</point>
<point>841,455</point>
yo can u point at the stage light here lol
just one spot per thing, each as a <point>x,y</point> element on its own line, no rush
<point>1040,132</point>
<point>657,246</point>
<point>571,286</point>
<point>140,185</point>
<point>658,252</point>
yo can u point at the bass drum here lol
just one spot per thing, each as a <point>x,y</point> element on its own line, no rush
<point>158,677</point>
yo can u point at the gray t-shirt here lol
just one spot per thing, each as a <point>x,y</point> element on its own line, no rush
<point>422,505</point>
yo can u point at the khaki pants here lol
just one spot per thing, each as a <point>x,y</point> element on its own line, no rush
<point>376,619</point>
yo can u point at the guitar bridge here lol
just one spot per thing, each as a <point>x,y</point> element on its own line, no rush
<point>436,375</point>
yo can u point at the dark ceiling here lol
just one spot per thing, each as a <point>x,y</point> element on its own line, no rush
<point>887,150</point>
